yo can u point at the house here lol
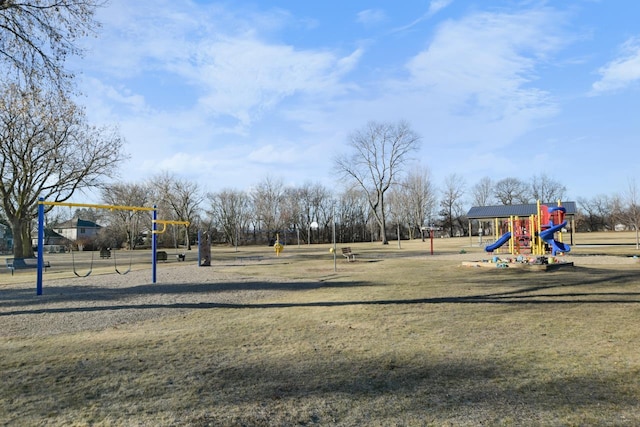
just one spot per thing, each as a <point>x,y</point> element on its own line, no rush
<point>77,229</point>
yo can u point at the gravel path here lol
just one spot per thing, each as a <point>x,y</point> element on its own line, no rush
<point>99,302</point>
<point>106,301</point>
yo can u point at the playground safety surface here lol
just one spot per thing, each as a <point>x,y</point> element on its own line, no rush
<point>520,265</point>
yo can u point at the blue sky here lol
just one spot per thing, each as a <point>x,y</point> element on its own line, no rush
<point>228,93</point>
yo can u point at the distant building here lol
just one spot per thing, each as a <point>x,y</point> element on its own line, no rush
<point>78,229</point>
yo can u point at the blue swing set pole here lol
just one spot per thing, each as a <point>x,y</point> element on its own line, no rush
<point>40,247</point>
<point>154,244</point>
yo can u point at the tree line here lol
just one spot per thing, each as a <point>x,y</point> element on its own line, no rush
<point>238,217</point>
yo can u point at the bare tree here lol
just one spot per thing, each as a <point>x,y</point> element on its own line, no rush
<point>125,227</point>
<point>545,189</point>
<point>179,200</point>
<point>417,194</point>
<point>230,209</point>
<point>397,209</point>
<point>483,192</point>
<point>267,198</point>
<point>596,213</point>
<point>290,209</point>
<point>36,36</point>
<point>509,191</point>
<point>451,202</point>
<point>632,211</point>
<point>379,152</point>
<point>617,211</point>
<point>353,211</point>
<point>48,150</point>
<point>302,205</point>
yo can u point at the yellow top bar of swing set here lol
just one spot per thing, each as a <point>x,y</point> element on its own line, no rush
<point>166,222</point>
<point>91,205</point>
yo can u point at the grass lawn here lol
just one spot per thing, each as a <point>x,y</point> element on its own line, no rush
<point>397,338</point>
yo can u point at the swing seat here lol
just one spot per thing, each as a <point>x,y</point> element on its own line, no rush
<point>24,263</point>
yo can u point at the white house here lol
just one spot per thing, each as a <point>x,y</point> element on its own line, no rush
<point>78,229</point>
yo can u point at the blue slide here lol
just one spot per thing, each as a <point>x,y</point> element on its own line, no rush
<point>501,241</point>
<point>547,236</point>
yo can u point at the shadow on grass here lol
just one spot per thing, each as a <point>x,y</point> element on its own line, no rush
<point>286,392</point>
<point>556,288</point>
<point>87,293</point>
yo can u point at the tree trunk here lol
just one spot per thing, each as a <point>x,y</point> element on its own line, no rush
<point>383,229</point>
<point>22,247</point>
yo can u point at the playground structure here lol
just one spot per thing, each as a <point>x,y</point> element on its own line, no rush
<point>535,235</point>
<point>154,227</point>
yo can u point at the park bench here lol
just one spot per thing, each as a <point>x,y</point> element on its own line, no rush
<point>14,264</point>
<point>161,256</point>
<point>348,254</point>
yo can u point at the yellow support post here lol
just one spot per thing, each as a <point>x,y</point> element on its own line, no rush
<point>559,232</point>
<point>533,242</point>
<point>165,222</point>
<point>539,223</point>
<point>512,246</point>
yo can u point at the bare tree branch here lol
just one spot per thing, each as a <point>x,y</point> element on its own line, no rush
<point>36,37</point>
<point>379,152</point>
<point>48,150</point>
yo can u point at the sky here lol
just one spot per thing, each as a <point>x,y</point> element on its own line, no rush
<point>228,93</point>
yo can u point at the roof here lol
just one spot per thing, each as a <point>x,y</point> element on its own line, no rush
<point>77,223</point>
<point>505,211</point>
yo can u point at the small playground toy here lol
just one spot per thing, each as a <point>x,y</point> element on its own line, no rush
<point>278,246</point>
<point>535,235</point>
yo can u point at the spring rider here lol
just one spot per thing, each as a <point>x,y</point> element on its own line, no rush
<point>278,246</point>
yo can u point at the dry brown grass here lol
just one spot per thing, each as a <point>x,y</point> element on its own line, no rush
<point>396,338</point>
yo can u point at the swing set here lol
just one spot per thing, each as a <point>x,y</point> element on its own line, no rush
<point>134,209</point>
<point>131,232</point>
<point>164,223</point>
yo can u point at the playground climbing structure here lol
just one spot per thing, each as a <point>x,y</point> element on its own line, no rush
<point>537,234</point>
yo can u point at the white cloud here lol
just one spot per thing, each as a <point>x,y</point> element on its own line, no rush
<point>243,77</point>
<point>623,71</point>
<point>370,16</point>
<point>226,57</point>
<point>437,5</point>
<point>484,63</point>
<point>434,7</point>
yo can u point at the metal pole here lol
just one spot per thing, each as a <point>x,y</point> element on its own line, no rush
<point>431,233</point>
<point>40,247</point>
<point>154,245</point>
<point>335,266</point>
